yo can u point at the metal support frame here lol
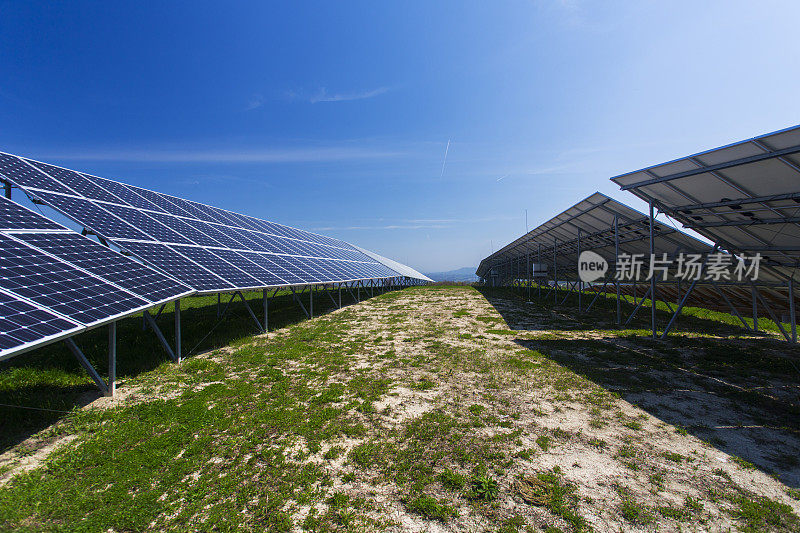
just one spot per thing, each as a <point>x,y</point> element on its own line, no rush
<point>652,277</point>
<point>772,315</point>
<point>638,305</point>
<point>792,316</point>
<point>555,271</point>
<point>296,299</point>
<point>108,389</point>
<point>580,283</point>
<point>755,308</point>
<point>249,310</point>
<point>616,277</point>
<point>178,330</point>
<point>311,301</point>
<point>160,336</point>
<point>266,310</point>
<point>7,189</point>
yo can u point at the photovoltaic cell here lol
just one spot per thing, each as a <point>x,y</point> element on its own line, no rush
<point>22,323</point>
<point>15,217</point>
<point>258,271</point>
<point>219,266</point>
<point>22,174</point>
<point>90,215</point>
<point>64,289</point>
<point>124,193</point>
<point>176,265</point>
<point>147,224</point>
<point>108,264</point>
<point>76,181</point>
<point>212,241</point>
<point>188,231</point>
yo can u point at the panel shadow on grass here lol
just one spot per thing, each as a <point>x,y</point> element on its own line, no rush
<point>560,311</point>
<point>739,395</point>
<point>39,388</point>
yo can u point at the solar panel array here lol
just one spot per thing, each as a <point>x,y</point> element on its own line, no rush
<point>55,283</point>
<point>744,196</point>
<point>593,219</point>
<point>209,249</point>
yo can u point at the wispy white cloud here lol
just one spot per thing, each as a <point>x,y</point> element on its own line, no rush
<point>232,155</point>
<point>255,102</point>
<point>322,95</point>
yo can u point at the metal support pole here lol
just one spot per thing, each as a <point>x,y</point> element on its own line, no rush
<point>86,365</point>
<point>178,330</point>
<point>539,262</point>
<point>112,359</point>
<point>311,301</point>
<point>638,305</point>
<point>160,336</point>
<point>266,311</point>
<point>358,290</point>
<point>755,309</point>
<point>219,299</point>
<point>303,307</point>
<point>528,275</point>
<point>653,277</point>
<point>7,187</point>
<point>249,310</point>
<point>616,260</point>
<point>340,296</point>
<point>580,283</point>
<point>555,272</point>
<point>793,319</point>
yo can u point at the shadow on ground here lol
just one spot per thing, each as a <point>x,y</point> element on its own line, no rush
<point>738,393</point>
<point>39,388</point>
<point>544,310</point>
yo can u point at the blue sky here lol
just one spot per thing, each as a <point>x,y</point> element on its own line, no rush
<point>336,117</point>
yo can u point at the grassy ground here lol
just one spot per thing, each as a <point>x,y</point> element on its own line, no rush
<point>428,409</point>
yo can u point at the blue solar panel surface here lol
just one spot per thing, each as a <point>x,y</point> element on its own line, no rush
<point>22,323</point>
<point>55,283</point>
<point>233,251</point>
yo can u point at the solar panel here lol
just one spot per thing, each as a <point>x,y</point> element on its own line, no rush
<point>162,231</point>
<point>16,217</point>
<point>24,325</point>
<point>108,264</point>
<point>744,196</point>
<point>60,287</point>
<point>55,283</point>
<point>178,266</point>
<point>91,216</point>
<point>592,219</point>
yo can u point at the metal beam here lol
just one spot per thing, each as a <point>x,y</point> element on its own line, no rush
<point>160,336</point>
<point>178,330</point>
<point>112,359</point>
<point>86,365</point>
<point>711,168</point>
<point>296,299</point>
<point>249,310</point>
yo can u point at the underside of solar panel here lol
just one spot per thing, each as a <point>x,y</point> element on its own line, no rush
<point>207,248</point>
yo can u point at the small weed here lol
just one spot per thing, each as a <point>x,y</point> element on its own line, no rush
<point>747,465</point>
<point>672,456</point>
<point>452,480</point>
<point>543,441</point>
<point>483,487</point>
<point>432,508</point>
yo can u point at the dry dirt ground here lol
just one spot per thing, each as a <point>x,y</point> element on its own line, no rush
<point>487,413</point>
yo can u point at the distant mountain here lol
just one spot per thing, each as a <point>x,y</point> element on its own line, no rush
<point>460,274</point>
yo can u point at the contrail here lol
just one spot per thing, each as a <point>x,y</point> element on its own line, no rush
<point>501,177</point>
<point>445,157</point>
